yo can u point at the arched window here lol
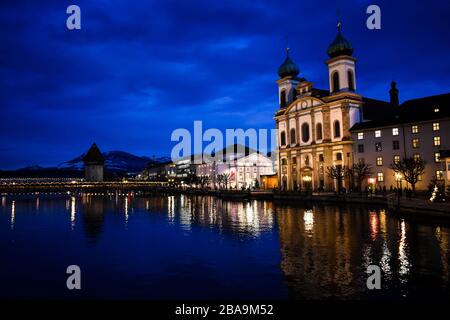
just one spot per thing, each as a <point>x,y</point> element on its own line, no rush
<point>337,129</point>
<point>307,161</point>
<point>319,131</point>
<point>351,80</point>
<point>305,132</point>
<point>335,78</point>
<point>283,99</point>
<point>283,162</point>
<point>283,138</point>
<point>292,136</point>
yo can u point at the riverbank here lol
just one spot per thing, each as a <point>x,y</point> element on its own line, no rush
<point>414,206</point>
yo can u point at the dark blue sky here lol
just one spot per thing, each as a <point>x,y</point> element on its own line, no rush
<point>139,69</point>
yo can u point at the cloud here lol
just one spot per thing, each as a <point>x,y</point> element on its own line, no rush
<point>135,72</point>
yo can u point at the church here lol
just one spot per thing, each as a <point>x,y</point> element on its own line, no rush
<point>313,124</point>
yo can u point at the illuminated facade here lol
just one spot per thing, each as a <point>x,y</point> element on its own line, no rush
<point>418,128</point>
<point>313,124</point>
<point>242,172</point>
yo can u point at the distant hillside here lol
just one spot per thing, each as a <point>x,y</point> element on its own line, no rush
<point>118,163</point>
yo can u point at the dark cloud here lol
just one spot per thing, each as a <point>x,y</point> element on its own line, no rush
<point>139,69</point>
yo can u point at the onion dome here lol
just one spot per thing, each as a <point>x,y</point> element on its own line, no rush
<point>340,46</point>
<point>288,68</point>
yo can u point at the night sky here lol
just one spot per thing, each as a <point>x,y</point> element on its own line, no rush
<point>137,70</point>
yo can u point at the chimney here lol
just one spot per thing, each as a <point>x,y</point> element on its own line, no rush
<point>394,94</point>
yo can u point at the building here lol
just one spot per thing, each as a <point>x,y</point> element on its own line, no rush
<point>160,172</point>
<point>324,132</point>
<point>93,164</point>
<point>418,128</point>
<point>445,158</point>
<point>185,168</point>
<point>313,124</point>
<point>242,166</point>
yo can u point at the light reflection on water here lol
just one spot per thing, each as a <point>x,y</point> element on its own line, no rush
<point>313,252</point>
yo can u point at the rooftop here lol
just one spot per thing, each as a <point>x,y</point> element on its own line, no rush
<point>94,155</point>
<point>415,110</point>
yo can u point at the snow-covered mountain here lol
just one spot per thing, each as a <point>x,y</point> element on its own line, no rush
<point>116,161</point>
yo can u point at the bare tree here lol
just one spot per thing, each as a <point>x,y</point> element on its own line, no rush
<point>219,179</point>
<point>411,169</point>
<point>226,179</point>
<point>361,171</point>
<point>337,173</point>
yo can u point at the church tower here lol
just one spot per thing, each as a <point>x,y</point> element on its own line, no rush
<point>288,81</point>
<point>341,65</point>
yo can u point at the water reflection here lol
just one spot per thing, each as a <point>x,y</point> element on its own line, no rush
<point>403,253</point>
<point>72,212</point>
<point>320,251</point>
<point>93,214</point>
<point>13,214</point>
<point>326,252</point>
<point>443,239</point>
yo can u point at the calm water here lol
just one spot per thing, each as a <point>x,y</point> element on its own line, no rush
<point>182,247</point>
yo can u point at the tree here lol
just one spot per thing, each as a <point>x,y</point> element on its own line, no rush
<point>337,173</point>
<point>411,169</point>
<point>361,171</point>
<point>226,179</point>
<point>219,179</point>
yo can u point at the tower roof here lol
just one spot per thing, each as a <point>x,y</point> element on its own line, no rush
<point>340,45</point>
<point>288,68</point>
<point>94,155</point>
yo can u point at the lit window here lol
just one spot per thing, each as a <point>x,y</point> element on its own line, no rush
<point>437,157</point>
<point>380,177</point>
<point>396,159</point>
<point>439,175</point>
<point>437,141</point>
<point>377,133</point>
<point>435,126</point>
<point>360,135</point>
<point>378,147</point>
<point>416,156</point>
<point>415,143</point>
<point>395,131</point>
<point>419,177</point>
<point>415,129</point>
<point>379,161</point>
<point>436,109</point>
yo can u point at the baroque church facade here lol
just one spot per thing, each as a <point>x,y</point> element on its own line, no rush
<point>313,124</point>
